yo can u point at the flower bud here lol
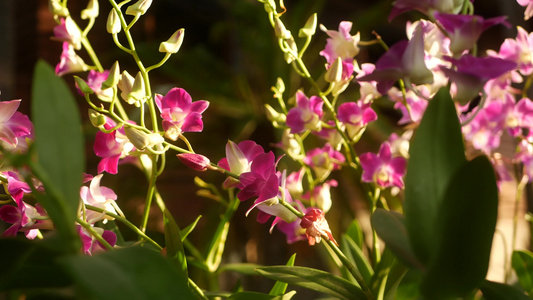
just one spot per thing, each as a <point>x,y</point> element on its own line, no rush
<point>195,161</point>
<point>289,58</point>
<point>309,28</point>
<point>139,8</point>
<point>83,86</point>
<point>334,72</point>
<point>280,30</point>
<point>96,118</point>
<point>141,139</point>
<point>280,86</point>
<point>274,116</point>
<point>113,22</point>
<point>91,12</point>
<point>113,77</point>
<point>173,44</point>
<point>125,84</point>
<point>200,183</point>
<point>57,9</point>
<point>137,94</point>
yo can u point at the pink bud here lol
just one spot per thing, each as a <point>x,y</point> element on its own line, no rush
<point>195,161</point>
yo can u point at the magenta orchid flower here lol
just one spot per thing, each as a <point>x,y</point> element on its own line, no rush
<point>68,32</point>
<point>404,60</point>
<point>90,245</point>
<point>426,7</point>
<point>383,169</point>
<point>306,115</point>
<point>471,73</point>
<point>324,160</point>
<point>13,124</point>
<point>179,113</point>
<point>24,217</point>
<point>355,116</point>
<point>465,30</point>
<point>111,147</point>
<point>98,196</point>
<point>239,159</point>
<point>69,61</point>
<point>263,182</point>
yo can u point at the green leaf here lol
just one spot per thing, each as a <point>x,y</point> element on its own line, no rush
<point>241,268</point>
<point>436,152</point>
<point>174,247</point>
<point>129,273</point>
<point>499,291</point>
<point>522,262</point>
<point>409,287</point>
<point>315,280</point>
<point>279,287</point>
<point>260,296</point>
<point>355,232</point>
<point>467,223</point>
<point>389,226</point>
<point>59,145</point>
<point>185,231</point>
<point>355,254</point>
<point>31,264</point>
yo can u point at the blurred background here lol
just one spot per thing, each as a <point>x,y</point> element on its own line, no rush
<point>229,57</point>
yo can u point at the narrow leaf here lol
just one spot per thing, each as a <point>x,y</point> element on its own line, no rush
<point>315,280</point>
<point>522,262</point>
<point>355,232</point>
<point>59,144</point>
<point>279,287</point>
<point>436,152</point>
<point>467,223</point>
<point>355,254</point>
<point>174,247</point>
<point>241,268</point>
<point>389,226</point>
<point>185,231</point>
<point>260,296</point>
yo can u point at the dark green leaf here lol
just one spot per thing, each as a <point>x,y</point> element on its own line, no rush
<point>279,287</point>
<point>499,291</point>
<point>409,287</point>
<point>389,226</point>
<point>522,262</point>
<point>173,243</point>
<point>436,152</point>
<point>129,274</point>
<point>315,280</point>
<point>59,144</point>
<point>30,264</point>
<point>467,223</point>
<point>355,254</point>
<point>260,296</point>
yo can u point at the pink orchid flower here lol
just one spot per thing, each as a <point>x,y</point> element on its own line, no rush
<point>111,147</point>
<point>341,44</point>
<point>98,196</point>
<point>13,124</point>
<point>355,116</point>
<point>68,32</point>
<point>179,113</point>
<point>306,115</point>
<point>383,169</point>
<point>69,61</point>
<point>90,245</point>
<point>316,227</point>
<point>324,160</point>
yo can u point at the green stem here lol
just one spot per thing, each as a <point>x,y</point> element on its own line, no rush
<point>519,192</point>
<point>95,234</point>
<point>127,223</point>
<point>149,194</point>
<point>197,290</point>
